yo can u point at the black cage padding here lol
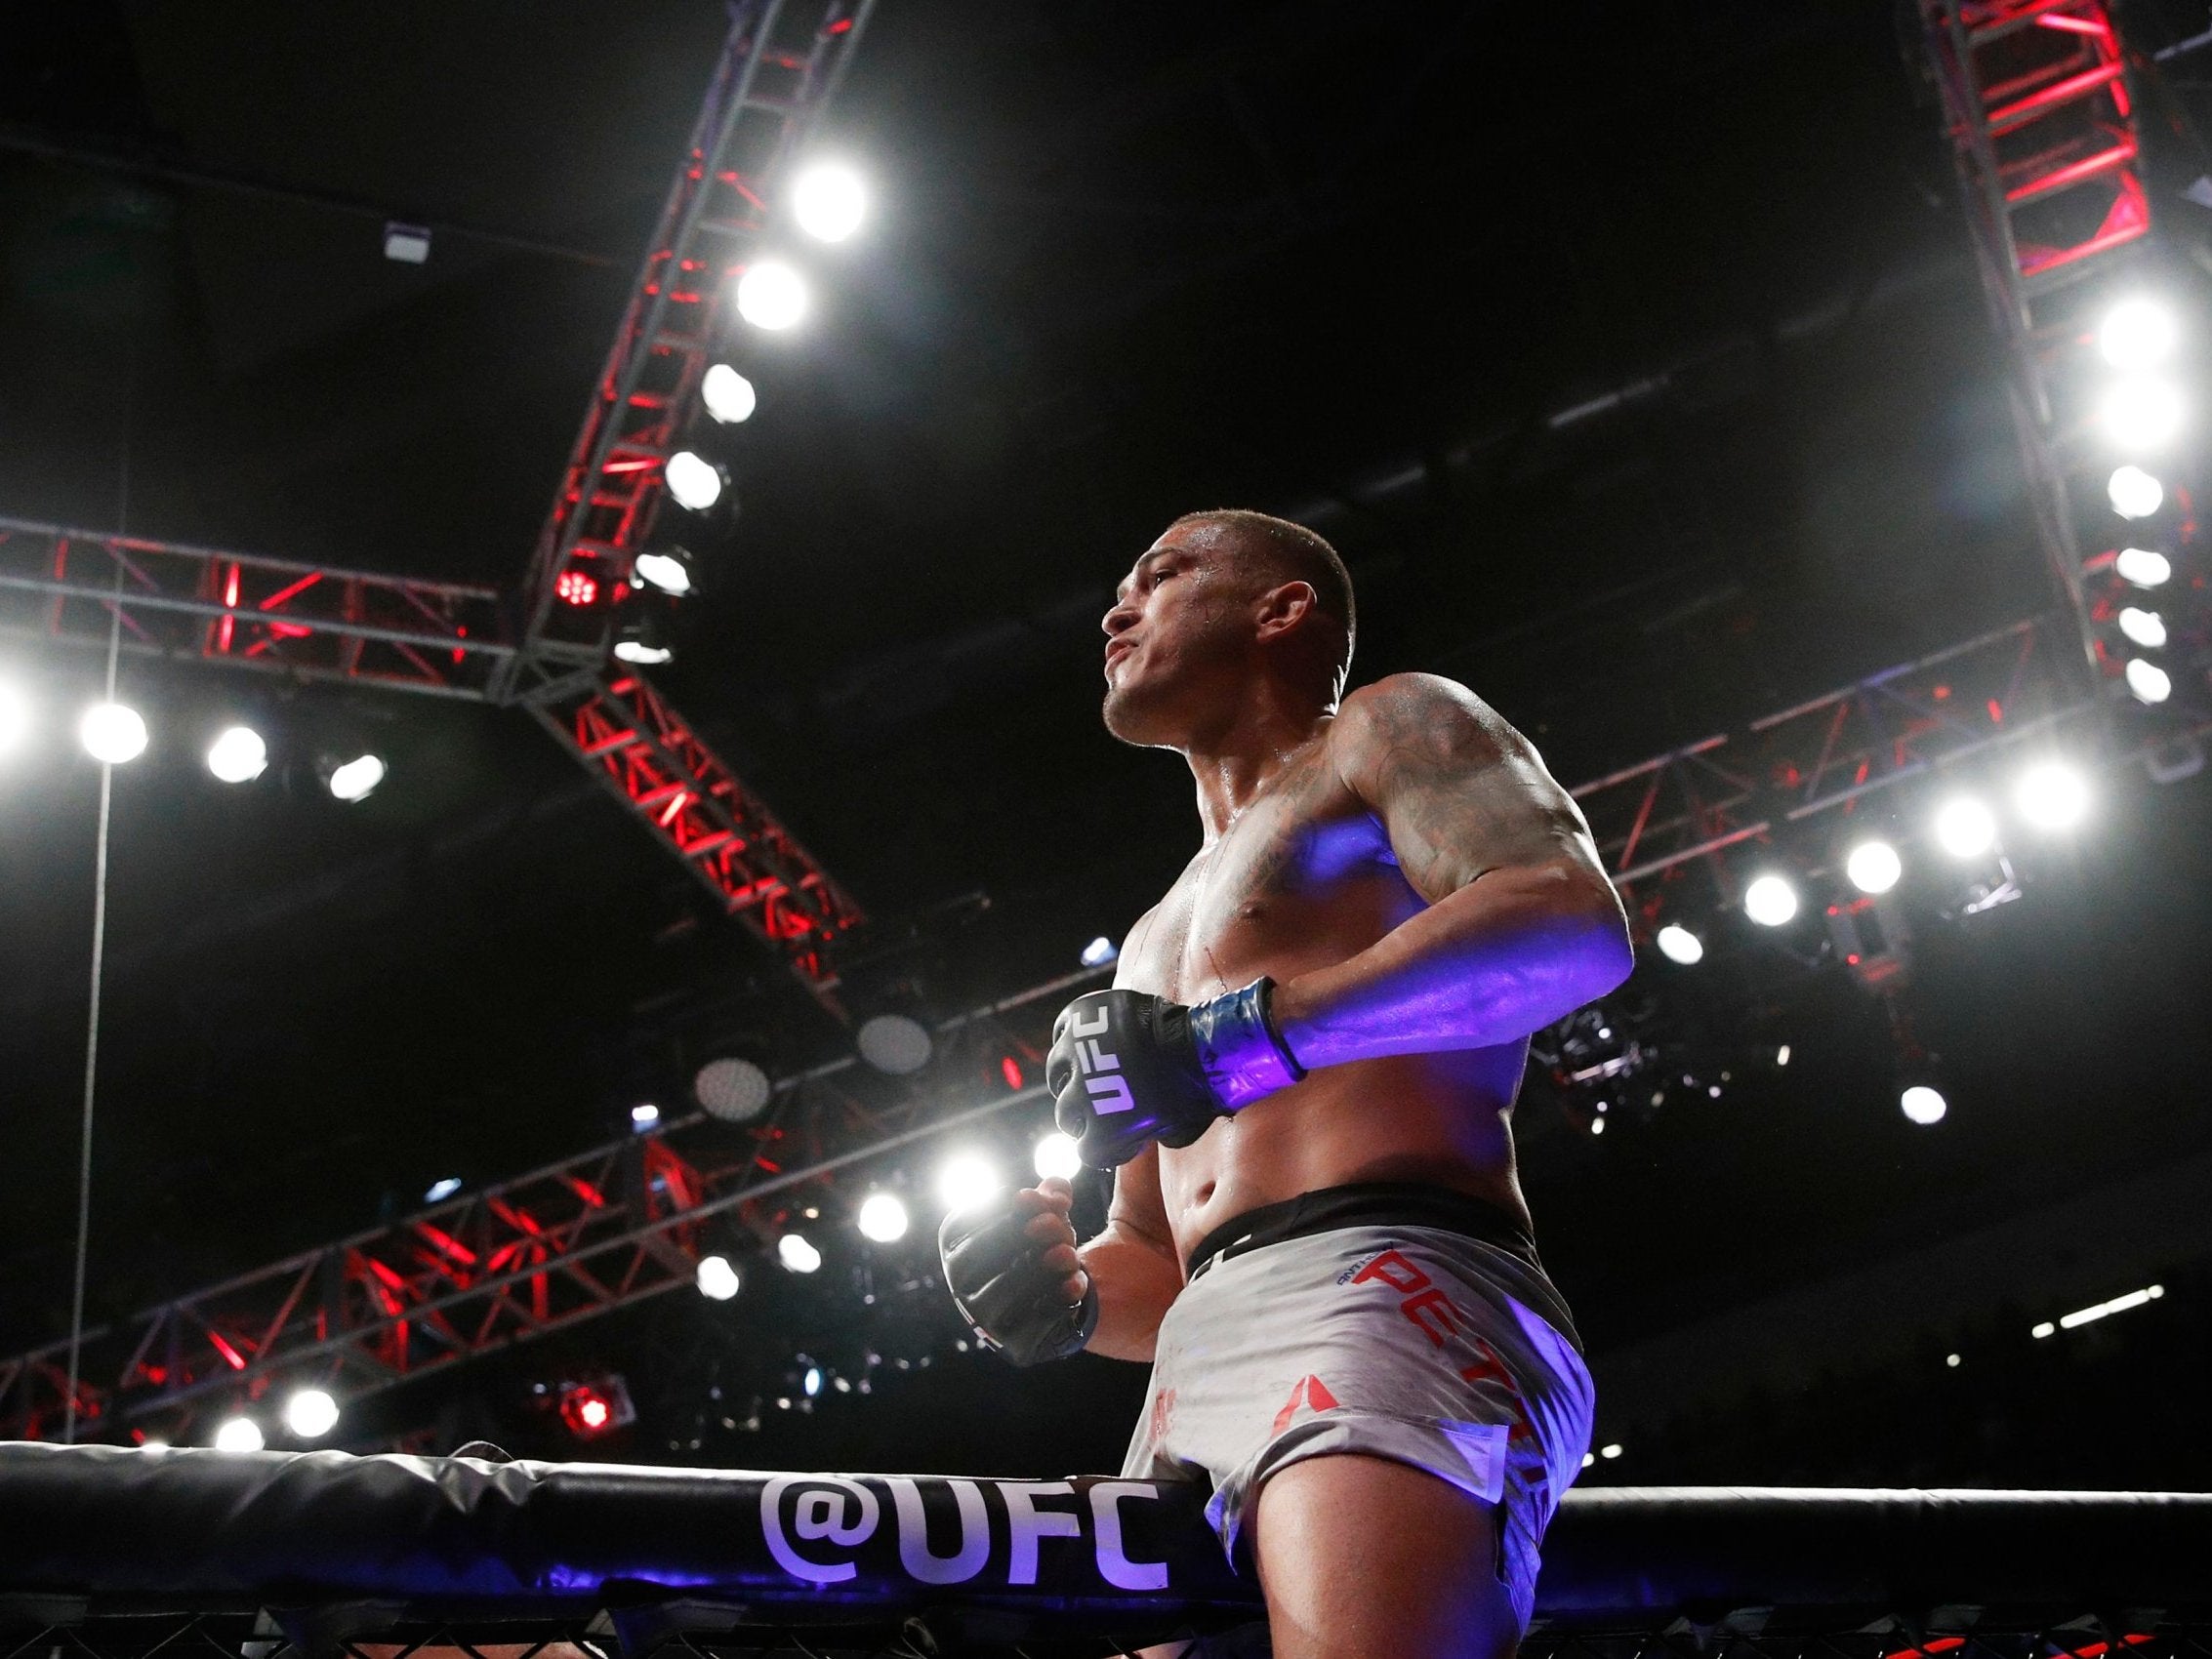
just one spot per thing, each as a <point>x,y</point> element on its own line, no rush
<point>112,1529</point>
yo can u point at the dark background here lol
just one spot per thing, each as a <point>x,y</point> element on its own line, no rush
<point>1125,261</point>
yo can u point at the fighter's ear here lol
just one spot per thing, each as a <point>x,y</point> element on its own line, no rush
<point>1285,606</point>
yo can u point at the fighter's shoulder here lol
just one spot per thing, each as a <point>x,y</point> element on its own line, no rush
<point>1413,709</point>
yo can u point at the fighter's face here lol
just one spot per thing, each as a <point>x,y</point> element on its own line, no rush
<point>1177,639</point>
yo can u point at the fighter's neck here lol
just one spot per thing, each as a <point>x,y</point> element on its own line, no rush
<point>1235,765</point>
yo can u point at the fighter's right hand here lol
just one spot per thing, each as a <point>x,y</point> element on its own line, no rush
<point>1010,1262</point>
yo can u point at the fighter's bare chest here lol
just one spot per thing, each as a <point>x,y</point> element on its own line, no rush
<point>1305,868</point>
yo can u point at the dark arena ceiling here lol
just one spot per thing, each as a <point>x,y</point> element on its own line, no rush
<point>1633,356</point>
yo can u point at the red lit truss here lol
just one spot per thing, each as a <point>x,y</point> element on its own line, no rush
<point>650,759</point>
<point>204,604</point>
<point>1670,818</point>
<point>482,1271</point>
<point>2047,137</point>
<point>777,72</point>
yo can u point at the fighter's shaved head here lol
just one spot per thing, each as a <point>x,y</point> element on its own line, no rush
<point>1288,552</point>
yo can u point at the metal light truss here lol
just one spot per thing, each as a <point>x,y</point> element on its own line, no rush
<point>1681,810</point>
<point>2044,132</point>
<point>650,759</point>
<point>205,604</point>
<point>609,1227</point>
<point>765,96</point>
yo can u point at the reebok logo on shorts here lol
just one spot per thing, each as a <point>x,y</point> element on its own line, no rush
<point>1311,1392</point>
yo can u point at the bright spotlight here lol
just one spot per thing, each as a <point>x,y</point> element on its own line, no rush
<point>813,1381</point>
<point>2052,795</point>
<point>238,756</point>
<point>693,480</point>
<point>829,201</point>
<point>1677,944</point>
<point>2135,493</point>
<point>666,571</point>
<point>966,1180</point>
<point>797,1253</point>
<point>238,1434</point>
<point>2143,566</point>
<point>2142,412</point>
<point>2137,334</point>
<point>1769,900</point>
<point>645,654</point>
<point>112,733</point>
<point>728,395</point>
<point>2149,682</point>
<point>310,1414</point>
<point>770,294</point>
<point>1965,828</point>
<point>644,1115</point>
<point>2148,628</point>
<point>14,718</point>
<point>1873,867</point>
<point>1099,952</point>
<point>1922,1103</point>
<point>357,779</point>
<point>1056,1154</point>
<point>442,1189</point>
<point>882,1217</point>
<point>717,1279</point>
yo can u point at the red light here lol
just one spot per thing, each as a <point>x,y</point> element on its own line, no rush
<point>574,587</point>
<point>1010,1070</point>
<point>593,1408</point>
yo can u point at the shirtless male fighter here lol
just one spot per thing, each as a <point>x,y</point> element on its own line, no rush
<point>1304,1080</point>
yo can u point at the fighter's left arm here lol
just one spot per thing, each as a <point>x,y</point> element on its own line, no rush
<point>1521,927</point>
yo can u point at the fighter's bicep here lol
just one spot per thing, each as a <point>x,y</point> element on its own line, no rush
<point>1457,790</point>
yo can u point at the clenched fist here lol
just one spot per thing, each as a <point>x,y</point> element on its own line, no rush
<point>1011,1264</point>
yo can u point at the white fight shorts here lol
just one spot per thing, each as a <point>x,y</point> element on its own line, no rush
<point>1392,1319</point>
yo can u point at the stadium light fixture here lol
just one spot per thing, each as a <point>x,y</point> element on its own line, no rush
<point>668,569</point>
<point>112,733</point>
<point>1770,900</point>
<point>238,756</point>
<point>2136,333</point>
<point>728,397</point>
<point>771,296</point>
<point>1873,867</point>
<point>1965,828</point>
<point>882,1217</point>
<point>356,780</point>
<point>310,1414</point>
<point>2147,681</point>
<point>829,200</point>
<point>718,1278</point>
<point>2142,412</point>
<point>2052,795</point>
<point>2148,628</point>
<point>2145,567</point>
<point>694,482</point>
<point>2134,493</point>
<point>1922,1103</point>
<point>1056,1154</point>
<point>966,1180</point>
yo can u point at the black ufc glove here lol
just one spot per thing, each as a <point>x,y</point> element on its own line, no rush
<point>1127,1067</point>
<point>1003,1288</point>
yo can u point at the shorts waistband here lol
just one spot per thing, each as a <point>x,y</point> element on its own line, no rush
<point>1365,1203</point>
